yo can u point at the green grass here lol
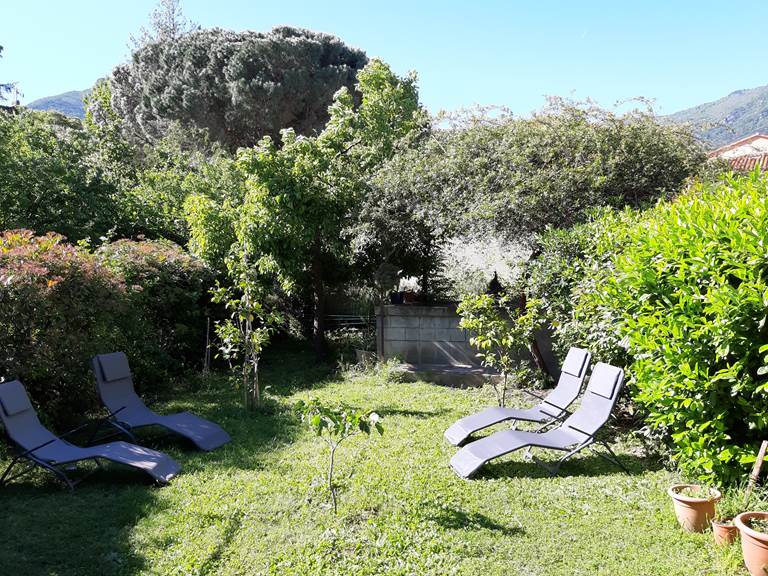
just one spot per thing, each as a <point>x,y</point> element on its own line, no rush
<point>259,505</point>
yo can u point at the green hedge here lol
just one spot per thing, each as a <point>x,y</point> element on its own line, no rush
<point>685,286</point>
<point>169,290</point>
<point>58,307</point>
<point>691,289</point>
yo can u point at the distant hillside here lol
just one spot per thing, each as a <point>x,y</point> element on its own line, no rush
<point>69,103</point>
<point>739,114</point>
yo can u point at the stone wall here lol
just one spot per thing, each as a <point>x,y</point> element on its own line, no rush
<point>423,335</point>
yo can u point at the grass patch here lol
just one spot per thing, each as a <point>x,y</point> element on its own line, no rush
<point>259,505</point>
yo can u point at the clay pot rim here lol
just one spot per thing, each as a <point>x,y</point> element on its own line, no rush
<point>674,494</point>
<point>726,522</point>
<point>742,526</point>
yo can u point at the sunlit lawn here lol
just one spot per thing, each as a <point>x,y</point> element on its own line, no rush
<point>259,505</point>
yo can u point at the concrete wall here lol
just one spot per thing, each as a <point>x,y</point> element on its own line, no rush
<point>423,335</point>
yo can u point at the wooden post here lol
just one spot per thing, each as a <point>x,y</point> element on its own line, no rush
<point>755,474</point>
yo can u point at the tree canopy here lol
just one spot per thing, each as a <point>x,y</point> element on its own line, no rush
<point>240,86</point>
<point>301,200</point>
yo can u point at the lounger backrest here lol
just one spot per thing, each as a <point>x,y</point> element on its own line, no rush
<point>599,399</point>
<point>114,381</point>
<point>571,379</point>
<point>19,417</point>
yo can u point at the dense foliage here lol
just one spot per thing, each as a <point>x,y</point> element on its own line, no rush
<point>679,294</point>
<point>302,197</point>
<point>240,86</point>
<point>58,307</point>
<point>169,289</point>
<point>519,175</point>
<point>691,290</point>
<point>47,179</point>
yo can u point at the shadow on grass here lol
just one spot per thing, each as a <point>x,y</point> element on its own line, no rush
<point>47,530</point>
<point>583,464</point>
<point>418,414</point>
<point>290,367</point>
<point>453,519</point>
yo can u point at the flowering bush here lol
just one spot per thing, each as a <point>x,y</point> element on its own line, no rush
<point>58,307</point>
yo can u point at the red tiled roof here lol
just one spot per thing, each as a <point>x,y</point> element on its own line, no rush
<point>747,163</point>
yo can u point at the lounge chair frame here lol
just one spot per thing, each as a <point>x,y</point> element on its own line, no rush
<point>56,470</point>
<point>570,384</point>
<point>570,437</point>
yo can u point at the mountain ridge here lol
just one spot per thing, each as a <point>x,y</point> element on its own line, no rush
<point>69,103</point>
<point>738,115</point>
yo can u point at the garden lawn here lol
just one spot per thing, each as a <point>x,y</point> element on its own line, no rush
<point>259,505</point>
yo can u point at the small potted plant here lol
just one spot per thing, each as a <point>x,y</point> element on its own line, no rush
<point>753,528</point>
<point>409,289</point>
<point>694,505</point>
<point>724,529</point>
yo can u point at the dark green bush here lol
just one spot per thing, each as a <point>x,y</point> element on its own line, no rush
<point>168,288</point>
<point>58,307</point>
<point>573,262</point>
<point>689,291</point>
<point>47,181</point>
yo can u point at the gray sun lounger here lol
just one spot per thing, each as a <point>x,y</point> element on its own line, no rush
<point>574,434</point>
<point>550,409</point>
<point>39,446</point>
<point>115,384</point>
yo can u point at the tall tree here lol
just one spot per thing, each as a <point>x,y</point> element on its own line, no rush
<point>240,86</point>
<point>301,199</point>
<point>167,22</point>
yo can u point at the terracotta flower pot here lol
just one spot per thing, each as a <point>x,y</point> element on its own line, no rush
<point>754,544</point>
<point>724,534</point>
<point>410,297</point>
<point>693,514</point>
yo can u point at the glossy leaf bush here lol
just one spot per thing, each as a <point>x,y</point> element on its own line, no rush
<point>689,290</point>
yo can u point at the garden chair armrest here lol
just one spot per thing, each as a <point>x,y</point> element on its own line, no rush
<point>555,416</point>
<point>590,436</point>
<point>102,421</point>
<point>532,394</point>
<point>563,411</point>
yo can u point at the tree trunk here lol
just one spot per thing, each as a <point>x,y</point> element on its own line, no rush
<point>318,296</point>
<point>331,487</point>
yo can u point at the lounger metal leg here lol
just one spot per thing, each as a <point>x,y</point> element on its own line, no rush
<point>58,472</point>
<point>4,479</point>
<point>553,470</point>
<point>611,456</point>
<point>123,430</point>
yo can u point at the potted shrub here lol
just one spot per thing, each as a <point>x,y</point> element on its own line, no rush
<point>753,527</point>
<point>724,529</point>
<point>694,505</point>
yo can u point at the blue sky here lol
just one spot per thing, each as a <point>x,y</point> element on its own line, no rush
<point>488,52</point>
